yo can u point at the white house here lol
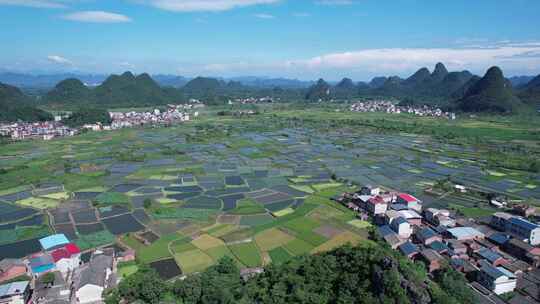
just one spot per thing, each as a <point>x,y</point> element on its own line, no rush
<point>496,279</point>
<point>401,227</point>
<point>376,205</point>
<point>67,258</point>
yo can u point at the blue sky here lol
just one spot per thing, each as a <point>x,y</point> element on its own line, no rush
<point>303,39</point>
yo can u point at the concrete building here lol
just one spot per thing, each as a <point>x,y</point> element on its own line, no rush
<point>15,293</point>
<point>427,236</point>
<point>410,201</point>
<point>465,233</point>
<point>401,227</point>
<point>496,279</point>
<point>376,205</point>
<point>90,280</point>
<point>67,258</point>
<point>517,226</point>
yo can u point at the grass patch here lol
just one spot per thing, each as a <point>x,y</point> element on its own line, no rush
<point>183,213</point>
<point>111,198</point>
<point>472,211</point>
<point>247,206</point>
<point>283,212</point>
<point>94,240</point>
<point>359,224</point>
<point>57,196</point>
<point>324,186</point>
<point>157,250</point>
<point>39,203</point>
<point>303,188</point>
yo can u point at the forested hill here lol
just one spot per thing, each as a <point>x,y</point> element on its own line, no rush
<point>367,274</point>
<point>16,106</point>
<point>458,90</point>
<point>491,93</point>
<point>117,90</point>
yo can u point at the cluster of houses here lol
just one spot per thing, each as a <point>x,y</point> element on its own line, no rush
<point>36,130</point>
<point>386,106</point>
<point>172,115</point>
<point>493,253</point>
<point>48,130</point>
<point>252,100</point>
<point>58,274</point>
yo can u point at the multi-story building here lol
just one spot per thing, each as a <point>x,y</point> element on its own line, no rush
<point>517,226</point>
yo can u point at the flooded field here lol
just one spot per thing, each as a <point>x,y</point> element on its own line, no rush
<point>193,194</point>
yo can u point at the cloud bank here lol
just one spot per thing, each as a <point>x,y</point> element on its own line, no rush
<point>35,3</point>
<point>205,5</point>
<point>97,17</point>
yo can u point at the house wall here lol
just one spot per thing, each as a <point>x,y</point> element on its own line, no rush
<point>65,265</point>
<point>506,285</point>
<point>89,293</point>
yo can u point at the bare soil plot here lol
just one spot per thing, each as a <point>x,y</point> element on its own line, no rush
<point>272,238</point>
<point>328,231</point>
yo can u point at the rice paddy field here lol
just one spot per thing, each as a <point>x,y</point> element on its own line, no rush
<point>255,189</point>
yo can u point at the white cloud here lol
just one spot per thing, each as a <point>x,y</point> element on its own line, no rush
<point>97,17</point>
<point>204,5</point>
<point>264,16</point>
<point>59,60</point>
<point>514,58</point>
<point>334,2</point>
<point>35,3</point>
<point>402,59</point>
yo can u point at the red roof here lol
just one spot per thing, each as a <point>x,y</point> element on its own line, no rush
<point>65,252</point>
<point>377,200</point>
<point>59,254</point>
<point>72,248</point>
<point>408,198</point>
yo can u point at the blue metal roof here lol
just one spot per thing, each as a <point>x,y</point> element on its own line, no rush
<point>438,246</point>
<point>489,255</point>
<point>499,238</point>
<point>523,223</point>
<point>408,248</point>
<point>385,230</point>
<point>53,241</point>
<point>426,233</point>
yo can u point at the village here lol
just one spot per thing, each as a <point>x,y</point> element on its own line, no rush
<point>173,114</point>
<point>60,273</point>
<point>386,106</point>
<point>498,254</point>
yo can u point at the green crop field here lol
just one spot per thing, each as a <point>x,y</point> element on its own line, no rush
<point>267,180</point>
<point>247,253</point>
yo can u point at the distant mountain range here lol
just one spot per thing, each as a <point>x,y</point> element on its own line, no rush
<point>22,80</point>
<point>460,90</point>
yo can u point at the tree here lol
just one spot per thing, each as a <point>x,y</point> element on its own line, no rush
<point>147,203</point>
<point>144,285</point>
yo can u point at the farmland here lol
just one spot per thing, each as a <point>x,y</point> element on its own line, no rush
<point>255,189</point>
